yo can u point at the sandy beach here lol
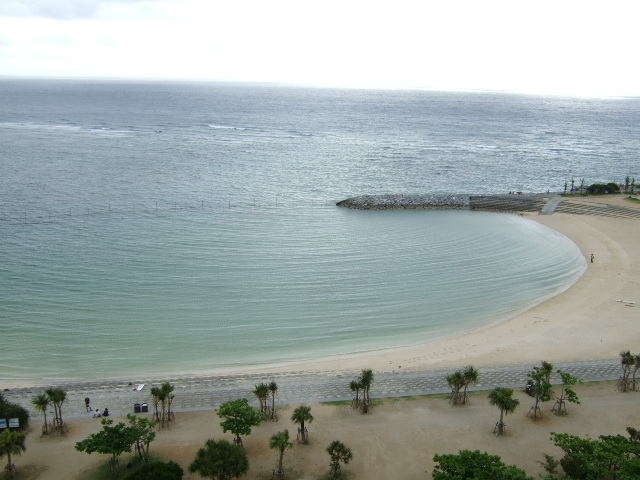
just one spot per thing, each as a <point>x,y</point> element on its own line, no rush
<point>594,319</point>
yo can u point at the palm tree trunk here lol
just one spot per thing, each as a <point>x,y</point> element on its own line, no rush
<point>280,471</point>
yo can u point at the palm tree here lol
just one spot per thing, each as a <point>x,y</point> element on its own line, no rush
<point>300,415</point>
<point>11,443</point>
<point>273,388</point>
<point>338,453</point>
<point>366,379</point>
<point>281,442</point>
<point>262,392</point>
<point>41,402</point>
<point>355,388</point>
<point>547,368</point>
<point>155,396</point>
<point>456,382</point>
<point>636,366</point>
<point>626,361</point>
<point>167,398</point>
<point>503,398</point>
<point>470,375</point>
<point>57,396</point>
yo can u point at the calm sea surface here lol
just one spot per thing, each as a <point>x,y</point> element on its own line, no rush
<point>166,228</point>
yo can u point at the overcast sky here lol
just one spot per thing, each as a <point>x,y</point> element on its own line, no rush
<point>561,47</point>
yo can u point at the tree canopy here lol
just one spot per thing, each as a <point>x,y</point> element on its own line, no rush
<point>11,443</point>
<point>339,453</point>
<point>238,418</point>
<point>156,471</point>
<point>474,465</point>
<point>117,439</point>
<point>13,410</point>
<point>220,460</point>
<point>607,457</point>
<point>301,415</point>
<point>502,398</point>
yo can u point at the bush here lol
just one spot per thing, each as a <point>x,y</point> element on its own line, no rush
<point>601,188</point>
<point>12,410</point>
<point>156,471</point>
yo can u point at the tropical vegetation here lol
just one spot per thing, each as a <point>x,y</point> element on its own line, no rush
<point>609,457</point>
<point>475,465</point>
<point>114,440</point>
<point>567,393</point>
<point>459,382</point>
<point>162,398</point>
<point>57,396</point>
<point>220,460</point>
<point>10,410</point>
<point>280,442</point>
<point>362,384</point>
<point>540,387</point>
<point>502,398</point>
<point>238,417</point>
<point>11,443</point>
<point>339,453</point>
<point>300,416</point>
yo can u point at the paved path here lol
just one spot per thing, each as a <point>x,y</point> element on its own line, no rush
<point>551,205</point>
<point>203,393</point>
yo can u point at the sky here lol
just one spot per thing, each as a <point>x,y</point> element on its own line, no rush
<point>560,47</point>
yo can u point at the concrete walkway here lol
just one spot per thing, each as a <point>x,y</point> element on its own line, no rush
<point>204,393</point>
<point>551,205</point>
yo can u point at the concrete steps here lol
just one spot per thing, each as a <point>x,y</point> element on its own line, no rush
<point>581,208</point>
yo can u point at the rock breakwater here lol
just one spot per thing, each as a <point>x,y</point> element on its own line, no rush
<point>394,201</point>
<point>501,203</point>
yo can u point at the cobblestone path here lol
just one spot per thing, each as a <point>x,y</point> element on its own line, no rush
<point>202,393</point>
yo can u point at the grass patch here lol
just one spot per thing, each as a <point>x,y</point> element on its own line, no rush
<point>337,403</point>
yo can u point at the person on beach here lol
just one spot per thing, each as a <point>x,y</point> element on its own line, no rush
<point>105,413</point>
<point>97,414</point>
<point>87,403</point>
<point>592,257</point>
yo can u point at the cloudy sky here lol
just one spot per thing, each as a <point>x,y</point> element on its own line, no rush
<point>562,47</point>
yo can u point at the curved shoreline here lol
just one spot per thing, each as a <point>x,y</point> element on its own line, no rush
<point>585,322</point>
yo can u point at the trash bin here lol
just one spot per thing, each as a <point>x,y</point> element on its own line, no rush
<point>144,407</point>
<point>137,408</point>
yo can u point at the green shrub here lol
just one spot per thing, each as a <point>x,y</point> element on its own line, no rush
<point>601,188</point>
<point>13,410</point>
<point>156,471</point>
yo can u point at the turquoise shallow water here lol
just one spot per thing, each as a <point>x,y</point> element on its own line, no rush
<point>112,294</point>
<point>159,228</point>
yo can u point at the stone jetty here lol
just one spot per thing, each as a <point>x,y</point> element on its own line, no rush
<point>543,203</point>
<point>502,203</point>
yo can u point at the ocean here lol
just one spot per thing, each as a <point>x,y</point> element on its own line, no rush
<point>171,228</point>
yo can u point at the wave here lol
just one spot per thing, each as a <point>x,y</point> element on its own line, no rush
<point>66,128</point>
<point>225,127</point>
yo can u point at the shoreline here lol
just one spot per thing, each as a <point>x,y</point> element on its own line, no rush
<point>566,327</point>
